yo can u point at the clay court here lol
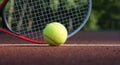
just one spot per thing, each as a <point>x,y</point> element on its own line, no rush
<point>84,48</point>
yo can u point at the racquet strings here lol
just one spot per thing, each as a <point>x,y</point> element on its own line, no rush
<point>29,17</point>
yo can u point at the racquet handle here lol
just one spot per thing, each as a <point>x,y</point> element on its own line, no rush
<point>22,37</point>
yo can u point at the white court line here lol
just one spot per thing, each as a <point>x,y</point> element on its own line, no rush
<point>37,45</point>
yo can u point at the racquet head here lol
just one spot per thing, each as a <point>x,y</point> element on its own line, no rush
<point>28,18</point>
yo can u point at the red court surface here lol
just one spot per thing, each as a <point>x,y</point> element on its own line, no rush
<point>94,48</point>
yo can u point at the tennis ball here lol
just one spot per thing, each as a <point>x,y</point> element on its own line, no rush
<point>55,34</point>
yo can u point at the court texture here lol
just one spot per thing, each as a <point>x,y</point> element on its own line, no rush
<point>84,48</point>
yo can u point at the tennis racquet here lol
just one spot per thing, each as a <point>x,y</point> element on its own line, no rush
<point>26,19</point>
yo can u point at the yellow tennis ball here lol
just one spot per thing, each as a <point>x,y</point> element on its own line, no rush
<point>55,34</point>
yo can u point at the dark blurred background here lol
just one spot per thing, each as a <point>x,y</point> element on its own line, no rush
<point>105,16</point>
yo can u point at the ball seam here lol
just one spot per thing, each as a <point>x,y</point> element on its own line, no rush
<point>52,40</point>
